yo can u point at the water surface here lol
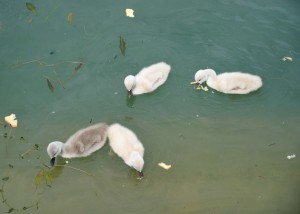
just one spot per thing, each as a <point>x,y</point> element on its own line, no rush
<point>228,152</point>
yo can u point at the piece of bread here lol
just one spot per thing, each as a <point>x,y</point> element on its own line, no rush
<point>165,166</point>
<point>11,120</point>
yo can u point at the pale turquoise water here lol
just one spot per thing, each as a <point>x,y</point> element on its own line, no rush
<point>228,152</point>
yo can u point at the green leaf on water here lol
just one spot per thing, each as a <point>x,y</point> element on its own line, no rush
<point>48,176</point>
<point>43,175</point>
<point>38,179</point>
<point>31,7</point>
<point>122,45</point>
<point>5,178</point>
<point>50,86</point>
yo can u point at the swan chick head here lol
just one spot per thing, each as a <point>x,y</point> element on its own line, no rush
<point>129,83</point>
<point>54,149</point>
<point>136,161</point>
<point>202,75</point>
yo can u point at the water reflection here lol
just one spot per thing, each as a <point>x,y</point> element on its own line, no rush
<point>130,101</point>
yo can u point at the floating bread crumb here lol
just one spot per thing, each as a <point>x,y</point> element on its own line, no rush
<point>200,87</point>
<point>193,83</point>
<point>291,156</point>
<point>11,120</point>
<point>287,58</point>
<point>165,166</point>
<point>129,12</point>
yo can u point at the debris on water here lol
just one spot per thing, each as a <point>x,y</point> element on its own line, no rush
<point>50,86</point>
<point>287,58</point>
<point>57,79</point>
<point>5,178</point>
<point>200,87</point>
<point>31,7</point>
<point>70,17</point>
<point>75,70</point>
<point>52,52</point>
<point>164,166</point>
<point>122,45</point>
<point>129,12</point>
<point>11,120</point>
<point>291,156</point>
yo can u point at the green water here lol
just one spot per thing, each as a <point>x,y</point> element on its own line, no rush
<point>228,152</point>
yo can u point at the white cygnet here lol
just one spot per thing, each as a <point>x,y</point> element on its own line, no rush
<point>126,145</point>
<point>148,79</point>
<point>229,82</point>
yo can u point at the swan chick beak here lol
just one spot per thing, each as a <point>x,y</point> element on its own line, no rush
<point>141,175</point>
<point>52,161</point>
<point>129,93</point>
<point>196,84</point>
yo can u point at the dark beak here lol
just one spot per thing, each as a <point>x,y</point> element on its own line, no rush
<point>196,85</point>
<point>52,161</point>
<point>141,175</point>
<point>129,93</point>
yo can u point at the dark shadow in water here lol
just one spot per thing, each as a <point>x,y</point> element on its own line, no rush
<point>130,101</point>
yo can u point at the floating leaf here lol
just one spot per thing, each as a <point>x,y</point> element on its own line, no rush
<point>122,45</point>
<point>76,69</point>
<point>31,7</point>
<point>5,178</point>
<point>70,17</point>
<point>10,210</point>
<point>50,86</point>
<point>78,66</point>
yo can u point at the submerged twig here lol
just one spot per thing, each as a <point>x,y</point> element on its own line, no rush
<point>36,147</point>
<point>4,200</point>
<point>42,63</point>
<point>71,167</point>
<point>52,11</point>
